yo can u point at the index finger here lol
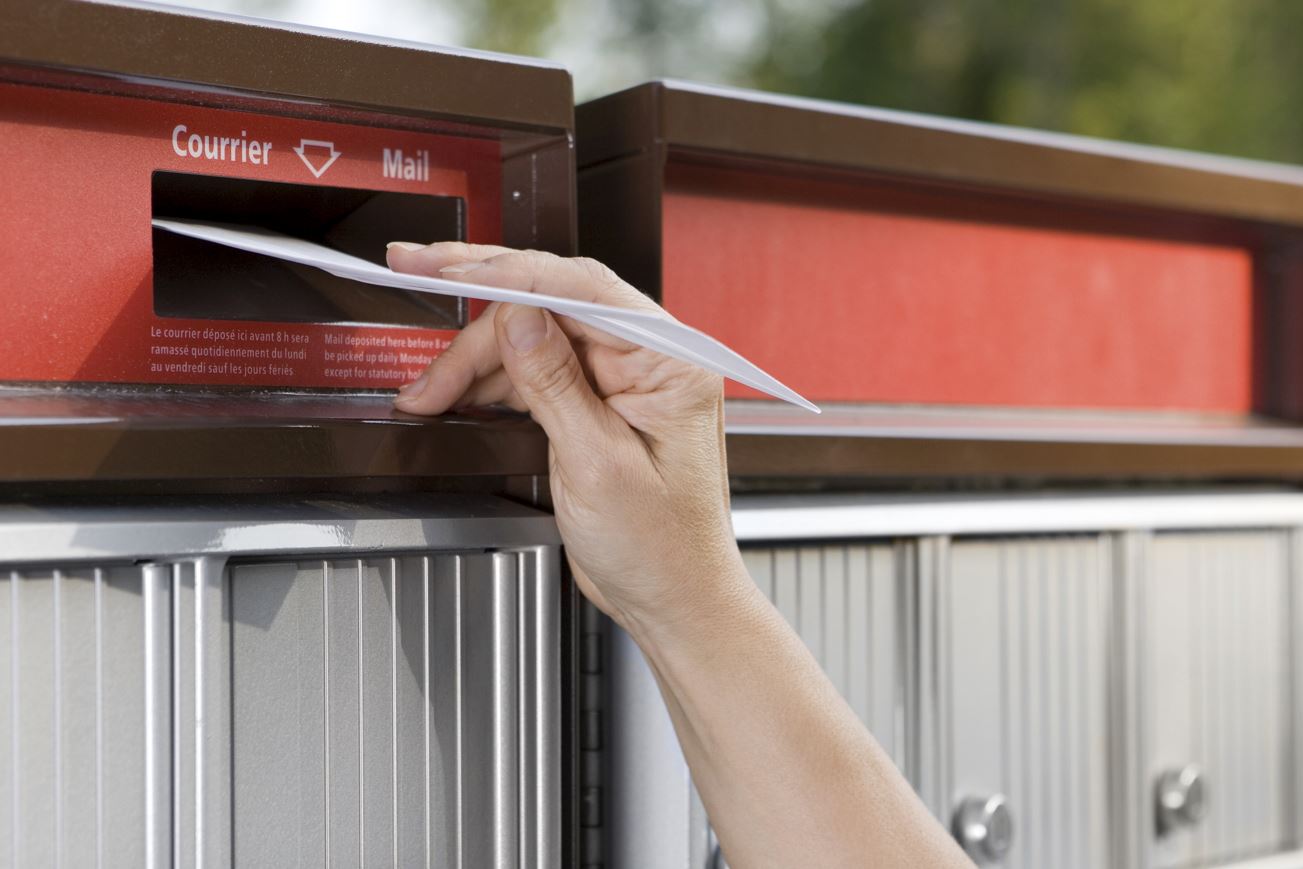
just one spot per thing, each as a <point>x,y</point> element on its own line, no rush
<point>532,271</point>
<point>579,278</point>
<point>428,259</point>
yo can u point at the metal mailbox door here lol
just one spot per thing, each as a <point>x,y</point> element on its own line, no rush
<point>847,603</point>
<point>1215,696</point>
<point>1018,671</point>
<point>311,707</point>
<point>383,711</point>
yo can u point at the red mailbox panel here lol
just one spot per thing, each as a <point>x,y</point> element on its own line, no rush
<point>76,172</point>
<point>868,295</point>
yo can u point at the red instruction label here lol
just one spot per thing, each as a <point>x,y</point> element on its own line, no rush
<point>77,272</point>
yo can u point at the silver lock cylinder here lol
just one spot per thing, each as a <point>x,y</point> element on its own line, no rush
<point>1181,798</point>
<point>984,828</point>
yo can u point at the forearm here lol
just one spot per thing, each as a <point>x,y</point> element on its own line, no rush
<point>640,488</point>
<point>786,771</point>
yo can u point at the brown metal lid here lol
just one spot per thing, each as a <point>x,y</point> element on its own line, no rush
<point>140,41</point>
<point>738,123</point>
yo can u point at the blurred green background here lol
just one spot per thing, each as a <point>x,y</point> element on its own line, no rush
<point>1212,75</point>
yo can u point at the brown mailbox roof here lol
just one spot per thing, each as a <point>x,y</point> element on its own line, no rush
<point>747,124</point>
<point>258,57</point>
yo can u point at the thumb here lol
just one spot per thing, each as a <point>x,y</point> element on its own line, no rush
<point>547,376</point>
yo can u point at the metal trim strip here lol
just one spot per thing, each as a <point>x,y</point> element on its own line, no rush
<point>831,517</point>
<point>30,534</point>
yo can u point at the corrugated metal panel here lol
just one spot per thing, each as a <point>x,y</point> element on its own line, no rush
<point>377,712</point>
<point>1022,667</point>
<point>80,701</point>
<point>1217,673</point>
<point>383,711</point>
<point>844,602</point>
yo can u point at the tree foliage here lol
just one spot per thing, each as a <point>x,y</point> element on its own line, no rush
<point>1213,75</point>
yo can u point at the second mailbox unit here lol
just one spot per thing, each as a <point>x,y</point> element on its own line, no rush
<point>1018,538</point>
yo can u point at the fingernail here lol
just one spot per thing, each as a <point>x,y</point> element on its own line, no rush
<point>413,389</point>
<point>406,245</point>
<point>460,268</point>
<point>525,328</point>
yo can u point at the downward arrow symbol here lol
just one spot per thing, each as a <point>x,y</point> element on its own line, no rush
<point>310,152</point>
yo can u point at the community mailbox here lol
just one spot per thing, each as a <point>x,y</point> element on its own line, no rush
<point>249,614</point>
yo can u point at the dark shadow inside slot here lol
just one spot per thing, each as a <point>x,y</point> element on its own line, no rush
<point>204,280</point>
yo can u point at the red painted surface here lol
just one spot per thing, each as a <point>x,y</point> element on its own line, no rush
<point>850,294</point>
<point>76,269</point>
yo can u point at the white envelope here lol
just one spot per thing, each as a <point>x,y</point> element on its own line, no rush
<point>656,332</point>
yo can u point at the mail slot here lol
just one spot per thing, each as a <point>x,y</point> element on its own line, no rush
<point>194,279</point>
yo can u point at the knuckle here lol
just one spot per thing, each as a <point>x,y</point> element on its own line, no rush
<point>462,349</point>
<point>554,376</point>
<point>596,270</point>
<point>609,285</point>
<point>531,266</point>
<point>696,387</point>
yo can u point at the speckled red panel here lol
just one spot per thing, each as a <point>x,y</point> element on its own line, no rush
<point>76,267</point>
<point>851,294</point>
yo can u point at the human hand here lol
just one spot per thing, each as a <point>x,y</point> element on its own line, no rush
<point>636,439</point>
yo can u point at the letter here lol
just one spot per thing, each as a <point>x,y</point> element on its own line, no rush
<point>266,152</point>
<point>425,162</point>
<point>177,132</point>
<point>195,145</point>
<point>221,146</point>
<point>255,149</point>
<point>210,147</point>
<point>393,162</point>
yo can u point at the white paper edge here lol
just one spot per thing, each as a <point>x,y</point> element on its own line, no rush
<point>660,334</point>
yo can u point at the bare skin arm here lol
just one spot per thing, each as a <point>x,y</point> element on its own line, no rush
<point>639,484</point>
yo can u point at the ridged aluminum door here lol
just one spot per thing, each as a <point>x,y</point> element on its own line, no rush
<point>384,711</point>
<point>84,687</point>
<point>1216,689</point>
<point>846,603</point>
<point>1015,694</point>
<point>381,712</point>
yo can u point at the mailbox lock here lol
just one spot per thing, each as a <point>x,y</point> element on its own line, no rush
<point>1182,798</point>
<point>984,827</point>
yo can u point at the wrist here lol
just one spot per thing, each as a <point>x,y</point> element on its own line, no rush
<point>697,605</point>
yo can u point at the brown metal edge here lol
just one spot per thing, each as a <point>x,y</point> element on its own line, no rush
<point>621,184</point>
<point>539,198</point>
<point>232,453</point>
<point>755,125</point>
<point>138,41</point>
<point>1279,311</point>
<point>617,125</point>
<point>620,217</point>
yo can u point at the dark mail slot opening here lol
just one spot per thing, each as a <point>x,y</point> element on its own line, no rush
<point>203,280</point>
